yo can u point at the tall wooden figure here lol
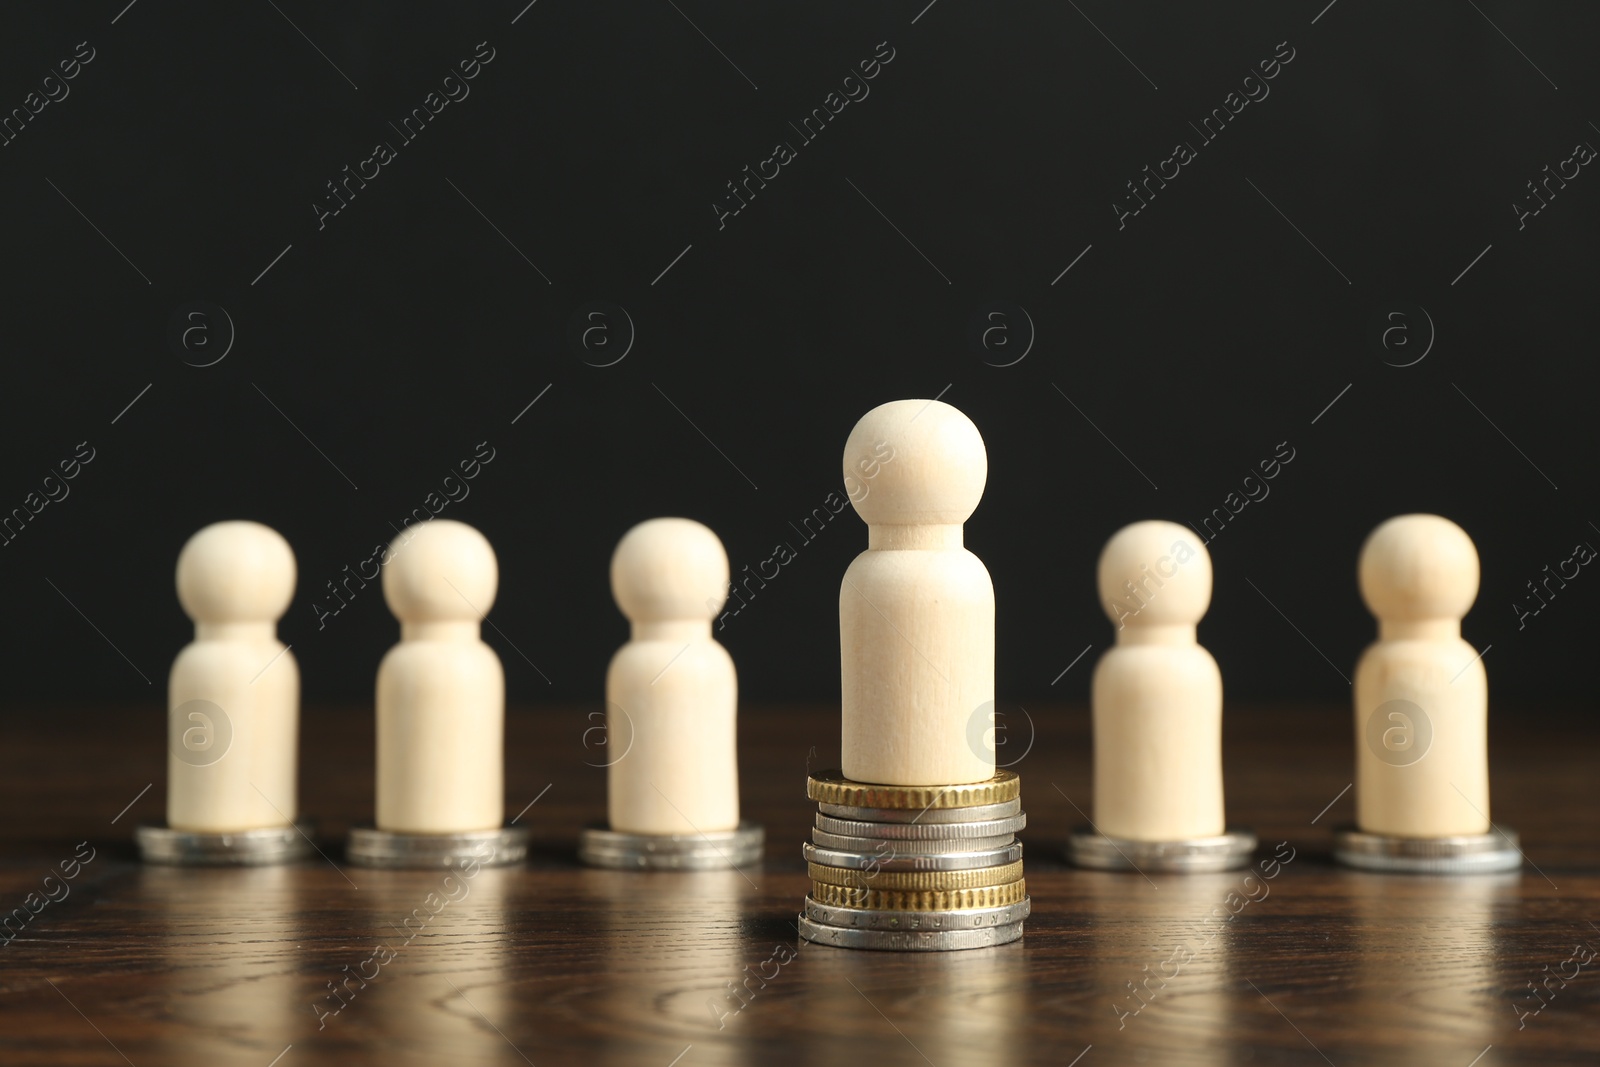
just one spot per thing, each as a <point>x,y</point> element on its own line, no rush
<point>1421,711</point>
<point>672,766</point>
<point>916,609</point>
<point>441,705</point>
<point>914,844</point>
<point>1157,698</point>
<point>233,707</point>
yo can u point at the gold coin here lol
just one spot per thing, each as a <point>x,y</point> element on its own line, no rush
<point>832,787</point>
<point>992,896</point>
<point>915,880</point>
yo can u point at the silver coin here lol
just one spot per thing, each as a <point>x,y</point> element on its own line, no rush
<point>1224,852</point>
<point>900,846</point>
<point>371,847</point>
<point>883,919</point>
<point>920,831</point>
<point>974,813</point>
<point>244,848</point>
<point>940,861</point>
<point>909,940</point>
<point>1496,850</point>
<point>601,847</point>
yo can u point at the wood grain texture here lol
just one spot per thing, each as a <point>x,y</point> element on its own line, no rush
<point>557,964</point>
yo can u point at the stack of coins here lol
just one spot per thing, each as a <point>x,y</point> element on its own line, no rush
<point>915,868</point>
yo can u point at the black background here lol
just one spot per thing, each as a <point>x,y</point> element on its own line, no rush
<point>1196,338</point>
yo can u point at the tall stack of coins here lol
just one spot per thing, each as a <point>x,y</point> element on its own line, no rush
<point>915,868</point>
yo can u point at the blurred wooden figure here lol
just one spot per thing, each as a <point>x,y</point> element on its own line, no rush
<point>1157,698</point>
<point>233,707</point>
<point>672,773</point>
<point>1421,710</point>
<point>440,710</point>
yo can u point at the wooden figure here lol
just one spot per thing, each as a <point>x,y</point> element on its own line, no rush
<point>916,609</point>
<point>233,697</point>
<point>1157,694</point>
<point>441,691</point>
<point>671,691</point>
<point>1421,694</point>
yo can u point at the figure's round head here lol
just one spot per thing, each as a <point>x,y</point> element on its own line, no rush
<point>1168,569</point>
<point>915,462</point>
<point>669,569</point>
<point>440,571</point>
<point>1417,567</point>
<point>236,571</point>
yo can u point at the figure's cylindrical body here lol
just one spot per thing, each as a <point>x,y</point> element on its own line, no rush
<point>1412,692</point>
<point>916,660</point>
<point>671,703</point>
<point>1158,743</point>
<point>212,702</point>
<point>441,730</point>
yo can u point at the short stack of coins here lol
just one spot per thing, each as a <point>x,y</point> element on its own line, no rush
<point>915,868</point>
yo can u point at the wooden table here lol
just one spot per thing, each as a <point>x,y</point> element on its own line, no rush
<point>557,964</point>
